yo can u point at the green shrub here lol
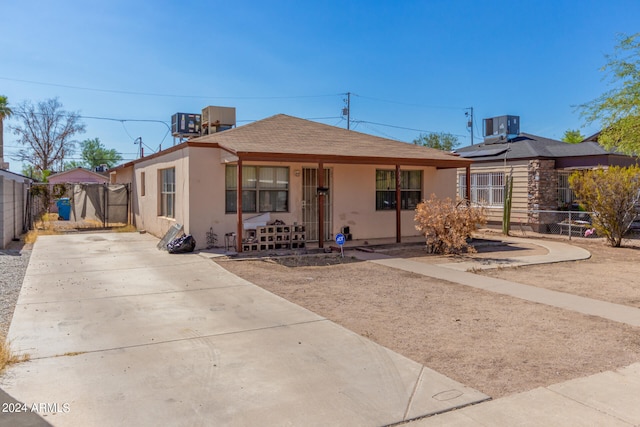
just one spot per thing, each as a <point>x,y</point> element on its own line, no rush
<point>612,195</point>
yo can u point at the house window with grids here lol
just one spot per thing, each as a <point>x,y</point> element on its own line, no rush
<point>410,189</point>
<point>167,192</point>
<point>264,189</point>
<point>487,188</point>
<point>462,186</point>
<point>565,193</point>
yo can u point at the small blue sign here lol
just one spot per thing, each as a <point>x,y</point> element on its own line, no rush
<point>340,239</point>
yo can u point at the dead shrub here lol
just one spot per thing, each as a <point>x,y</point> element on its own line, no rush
<point>447,225</point>
<point>8,357</point>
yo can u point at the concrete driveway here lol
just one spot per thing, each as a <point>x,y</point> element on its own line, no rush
<point>121,333</point>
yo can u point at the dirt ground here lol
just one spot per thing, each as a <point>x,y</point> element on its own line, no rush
<point>494,343</point>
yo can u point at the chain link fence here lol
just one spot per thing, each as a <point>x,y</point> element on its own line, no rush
<point>573,224</point>
<point>89,206</point>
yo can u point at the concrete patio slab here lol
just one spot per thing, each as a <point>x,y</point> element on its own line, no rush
<point>45,287</point>
<point>613,393</point>
<point>538,407</point>
<point>50,329</point>
<point>141,337</point>
<point>308,374</point>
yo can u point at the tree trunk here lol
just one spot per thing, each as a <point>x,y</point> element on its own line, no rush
<point>1,141</point>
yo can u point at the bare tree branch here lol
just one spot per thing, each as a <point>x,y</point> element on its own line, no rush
<point>47,132</point>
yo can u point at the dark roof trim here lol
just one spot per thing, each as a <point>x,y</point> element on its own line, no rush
<point>360,160</point>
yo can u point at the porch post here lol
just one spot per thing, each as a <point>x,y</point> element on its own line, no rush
<point>468,182</point>
<point>320,205</point>
<point>239,206</point>
<point>398,207</point>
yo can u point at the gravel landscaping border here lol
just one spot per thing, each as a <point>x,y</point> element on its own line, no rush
<point>13,266</point>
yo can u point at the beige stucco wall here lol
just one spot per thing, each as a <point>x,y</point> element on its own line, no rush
<point>146,208</point>
<point>122,176</point>
<point>354,200</point>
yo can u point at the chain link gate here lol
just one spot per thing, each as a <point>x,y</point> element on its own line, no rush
<point>92,206</point>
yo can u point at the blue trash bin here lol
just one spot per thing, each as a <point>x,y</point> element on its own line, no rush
<point>64,208</point>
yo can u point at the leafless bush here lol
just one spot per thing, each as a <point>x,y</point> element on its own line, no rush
<point>447,225</point>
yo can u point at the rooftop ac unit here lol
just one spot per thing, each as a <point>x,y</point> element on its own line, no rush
<point>508,126</point>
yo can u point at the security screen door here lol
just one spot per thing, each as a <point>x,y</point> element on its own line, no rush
<point>310,204</point>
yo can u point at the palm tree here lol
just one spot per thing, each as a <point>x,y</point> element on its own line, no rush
<point>5,112</point>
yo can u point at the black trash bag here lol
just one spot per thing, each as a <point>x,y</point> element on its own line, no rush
<point>182,245</point>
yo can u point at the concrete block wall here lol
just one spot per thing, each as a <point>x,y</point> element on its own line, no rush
<point>12,206</point>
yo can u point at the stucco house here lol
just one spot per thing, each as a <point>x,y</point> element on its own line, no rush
<point>217,182</point>
<point>77,175</point>
<point>540,168</point>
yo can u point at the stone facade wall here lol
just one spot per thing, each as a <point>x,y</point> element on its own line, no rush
<point>543,193</point>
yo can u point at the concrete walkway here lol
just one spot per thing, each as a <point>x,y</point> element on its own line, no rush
<point>606,399</point>
<point>120,333</point>
<point>558,252</point>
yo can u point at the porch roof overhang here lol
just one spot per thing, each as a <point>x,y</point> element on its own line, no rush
<point>341,159</point>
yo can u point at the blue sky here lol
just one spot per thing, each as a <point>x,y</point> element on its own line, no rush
<point>411,66</point>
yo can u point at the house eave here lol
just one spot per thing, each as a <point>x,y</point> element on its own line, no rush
<point>361,160</point>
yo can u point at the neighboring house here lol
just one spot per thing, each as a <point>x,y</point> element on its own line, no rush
<point>540,168</point>
<point>13,202</point>
<point>78,176</point>
<point>273,164</point>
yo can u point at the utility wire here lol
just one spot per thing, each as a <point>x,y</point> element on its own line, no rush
<point>166,95</point>
<point>406,128</point>
<point>378,131</point>
<point>408,103</point>
<point>126,131</point>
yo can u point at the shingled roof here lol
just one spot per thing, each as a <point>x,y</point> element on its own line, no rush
<point>527,146</point>
<point>286,138</point>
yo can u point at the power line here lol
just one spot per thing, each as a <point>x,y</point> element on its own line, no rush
<point>165,95</point>
<point>408,103</point>
<point>379,132</point>
<point>405,128</point>
<point>23,146</point>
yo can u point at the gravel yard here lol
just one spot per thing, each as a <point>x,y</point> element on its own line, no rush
<point>13,265</point>
<point>494,343</point>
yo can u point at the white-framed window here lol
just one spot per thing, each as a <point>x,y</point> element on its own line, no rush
<point>264,189</point>
<point>462,186</point>
<point>487,188</point>
<point>410,189</point>
<point>167,192</point>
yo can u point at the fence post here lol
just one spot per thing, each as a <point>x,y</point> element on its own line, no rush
<point>569,225</point>
<point>105,198</point>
